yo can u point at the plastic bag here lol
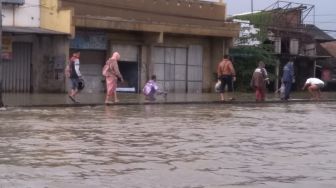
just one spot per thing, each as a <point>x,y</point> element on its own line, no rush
<point>218,86</point>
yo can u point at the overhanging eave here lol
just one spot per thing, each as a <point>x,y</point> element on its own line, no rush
<point>227,30</point>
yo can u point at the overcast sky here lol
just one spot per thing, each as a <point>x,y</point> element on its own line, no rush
<point>325,10</point>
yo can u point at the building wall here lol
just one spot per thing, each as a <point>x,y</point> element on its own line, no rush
<point>48,65</point>
<point>55,18</point>
<point>172,11</point>
<point>45,14</point>
<point>27,15</point>
<point>213,50</point>
<point>37,64</point>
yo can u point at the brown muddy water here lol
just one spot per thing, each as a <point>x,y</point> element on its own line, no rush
<point>173,146</point>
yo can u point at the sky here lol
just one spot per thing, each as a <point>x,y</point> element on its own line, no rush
<point>325,14</point>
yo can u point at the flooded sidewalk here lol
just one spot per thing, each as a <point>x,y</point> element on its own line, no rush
<point>61,99</point>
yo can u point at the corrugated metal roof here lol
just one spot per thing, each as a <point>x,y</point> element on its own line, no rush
<point>330,47</point>
<point>317,33</point>
<point>32,30</point>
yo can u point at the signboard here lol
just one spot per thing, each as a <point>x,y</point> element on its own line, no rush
<point>14,2</point>
<point>89,41</point>
<point>7,48</point>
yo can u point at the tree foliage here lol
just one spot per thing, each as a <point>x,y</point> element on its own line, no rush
<point>246,59</point>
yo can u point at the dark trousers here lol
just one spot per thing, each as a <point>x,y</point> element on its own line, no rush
<point>226,80</point>
<point>288,88</point>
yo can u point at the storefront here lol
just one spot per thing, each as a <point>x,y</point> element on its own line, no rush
<point>180,42</point>
<point>179,70</point>
<point>96,48</point>
<point>33,60</point>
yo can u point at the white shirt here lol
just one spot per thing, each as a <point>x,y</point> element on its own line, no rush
<point>314,81</point>
<point>77,67</point>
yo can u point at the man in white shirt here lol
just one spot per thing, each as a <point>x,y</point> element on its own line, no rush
<point>314,86</point>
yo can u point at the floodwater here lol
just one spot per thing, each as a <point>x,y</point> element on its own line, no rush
<point>170,146</point>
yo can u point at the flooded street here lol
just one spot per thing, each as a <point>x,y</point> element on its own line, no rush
<point>173,146</point>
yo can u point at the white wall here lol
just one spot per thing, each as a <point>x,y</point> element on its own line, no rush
<point>27,15</point>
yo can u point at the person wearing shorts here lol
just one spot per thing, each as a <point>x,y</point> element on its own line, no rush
<point>227,75</point>
<point>314,86</point>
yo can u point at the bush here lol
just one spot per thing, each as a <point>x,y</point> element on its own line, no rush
<point>245,60</point>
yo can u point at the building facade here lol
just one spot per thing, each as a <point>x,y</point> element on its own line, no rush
<point>179,41</point>
<point>35,38</point>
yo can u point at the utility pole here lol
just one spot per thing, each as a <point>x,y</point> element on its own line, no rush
<point>1,65</point>
<point>252,6</point>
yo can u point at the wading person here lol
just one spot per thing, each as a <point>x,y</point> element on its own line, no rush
<point>151,89</point>
<point>74,74</point>
<point>227,75</point>
<point>314,86</point>
<point>112,73</point>
<point>288,79</point>
<point>259,81</point>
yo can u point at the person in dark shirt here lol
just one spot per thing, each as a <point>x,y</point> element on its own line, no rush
<point>288,78</point>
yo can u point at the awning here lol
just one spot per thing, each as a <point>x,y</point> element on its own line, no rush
<point>30,30</point>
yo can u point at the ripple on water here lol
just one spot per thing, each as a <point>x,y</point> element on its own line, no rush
<point>169,146</point>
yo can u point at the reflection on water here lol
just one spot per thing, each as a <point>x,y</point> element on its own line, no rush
<point>190,146</point>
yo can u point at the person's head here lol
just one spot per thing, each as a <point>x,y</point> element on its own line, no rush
<point>76,54</point>
<point>153,77</point>
<point>291,60</point>
<point>226,56</point>
<point>261,64</point>
<point>115,56</point>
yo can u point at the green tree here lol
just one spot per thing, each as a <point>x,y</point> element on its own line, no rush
<point>246,59</point>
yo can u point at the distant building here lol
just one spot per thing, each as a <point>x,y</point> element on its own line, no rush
<point>327,67</point>
<point>283,27</point>
<point>248,34</point>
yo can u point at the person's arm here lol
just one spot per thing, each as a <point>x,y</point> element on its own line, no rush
<point>266,75</point>
<point>116,70</point>
<point>77,67</point>
<point>304,86</point>
<point>233,71</point>
<point>219,71</point>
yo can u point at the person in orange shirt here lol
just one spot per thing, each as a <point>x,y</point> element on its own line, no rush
<point>227,75</point>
